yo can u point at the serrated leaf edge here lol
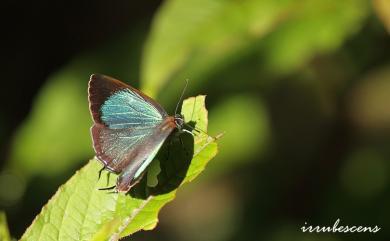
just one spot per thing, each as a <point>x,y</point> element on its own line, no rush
<point>127,221</point>
<point>116,236</point>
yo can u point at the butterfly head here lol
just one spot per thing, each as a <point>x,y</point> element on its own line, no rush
<point>179,121</point>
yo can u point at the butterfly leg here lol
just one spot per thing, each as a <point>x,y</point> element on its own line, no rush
<point>100,172</point>
<point>107,188</point>
<point>108,178</point>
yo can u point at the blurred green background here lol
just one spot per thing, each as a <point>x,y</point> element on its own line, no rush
<point>302,89</point>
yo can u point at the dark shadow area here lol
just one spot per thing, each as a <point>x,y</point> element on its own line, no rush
<point>178,155</point>
<point>191,124</point>
<point>175,158</point>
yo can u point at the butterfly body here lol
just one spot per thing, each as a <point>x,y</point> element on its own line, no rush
<point>129,128</point>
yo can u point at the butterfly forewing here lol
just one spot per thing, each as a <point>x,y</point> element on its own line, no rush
<point>108,97</point>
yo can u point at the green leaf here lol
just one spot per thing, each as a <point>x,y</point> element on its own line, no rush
<point>78,211</point>
<point>195,38</point>
<point>4,233</point>
<point>310,28</point>
<point>197,35</point>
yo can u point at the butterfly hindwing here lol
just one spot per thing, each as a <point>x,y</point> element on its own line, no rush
<point>114,146</point>
<point>129,151</point>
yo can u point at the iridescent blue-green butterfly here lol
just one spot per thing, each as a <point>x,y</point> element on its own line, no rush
<point>129,128</point>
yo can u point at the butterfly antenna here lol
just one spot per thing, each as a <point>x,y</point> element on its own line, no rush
<point>181,96</point>
<point>198,130</point>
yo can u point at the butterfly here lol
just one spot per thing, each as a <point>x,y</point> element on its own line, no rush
<point>129,128</point>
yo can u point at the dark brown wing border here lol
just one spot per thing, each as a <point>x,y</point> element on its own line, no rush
<point>101,87</point>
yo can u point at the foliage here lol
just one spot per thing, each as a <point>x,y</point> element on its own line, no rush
<point>79,211</point>
<point>281,79</point>
<point>215,34</point>
<point>4,233</point>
